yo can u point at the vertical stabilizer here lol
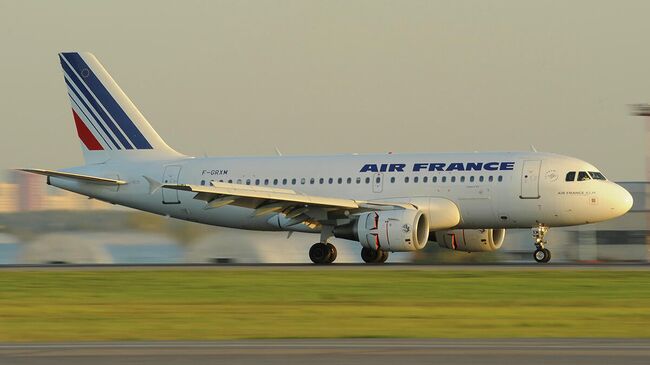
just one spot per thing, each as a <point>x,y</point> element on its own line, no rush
<point>108,124</point>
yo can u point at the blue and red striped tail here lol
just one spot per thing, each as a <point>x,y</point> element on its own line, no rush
<point>108,123</point>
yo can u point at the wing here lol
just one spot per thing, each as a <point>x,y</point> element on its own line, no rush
<point>68,175</point>
<point>310,210</point>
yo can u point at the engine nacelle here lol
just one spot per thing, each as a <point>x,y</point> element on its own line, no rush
<point>471,240</point>
<point>390,230</point>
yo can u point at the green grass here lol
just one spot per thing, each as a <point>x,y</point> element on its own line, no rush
<point>230,304</point>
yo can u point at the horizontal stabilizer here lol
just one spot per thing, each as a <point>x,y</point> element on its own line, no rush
<point>68,175</point>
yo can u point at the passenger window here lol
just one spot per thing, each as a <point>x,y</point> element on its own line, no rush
<point>453,179</point>
<point>284,181</point>
<point>367,180</point>
<point>462,179</point>
<point>583,176</point>
<point>312,181</point>
<point>415,179</point>
<point>321,181</point>
<point>302,181</point>
<point>500,178</point>
<point>481,178</point>
<point>434,179</point>
<point>257,181</point>
<point>202,182</point>
<point>471,179</point>
<point>444,179</point>
<point>275,181</point>
<point>490,178</point>
<point>293,181</point>
<point>230,181</point>
<point>378,179</point>
<point>266,181</point>
<point>340,180</point>
<point>349,180</point>
<point>238,181</point>
<point>330,180</point>
<point>358,180</point>
<point>392,179</point>
<point>425,179</point>
<point>570,176</point>
<point>406,179</point>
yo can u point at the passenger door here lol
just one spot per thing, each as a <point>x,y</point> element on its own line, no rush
<point>530,179</point>
<point>170,176</point>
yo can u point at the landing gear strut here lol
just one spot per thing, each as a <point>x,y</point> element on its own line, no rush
<point>541,254</point>
<point>370,256</point>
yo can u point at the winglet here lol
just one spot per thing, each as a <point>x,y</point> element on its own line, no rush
<point>154,185</point>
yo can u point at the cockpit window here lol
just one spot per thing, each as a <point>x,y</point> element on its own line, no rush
<point>571,176</point>
<point>597,175</point>
<point>583,176</point>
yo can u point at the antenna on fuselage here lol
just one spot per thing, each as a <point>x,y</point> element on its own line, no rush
<point>277,150</point>
<point>532,148</point>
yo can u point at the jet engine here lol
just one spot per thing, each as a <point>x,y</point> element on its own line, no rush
<point>390,230</point>
<point>471,240</point>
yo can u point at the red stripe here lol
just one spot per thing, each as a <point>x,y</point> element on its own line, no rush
<point>85,134</point>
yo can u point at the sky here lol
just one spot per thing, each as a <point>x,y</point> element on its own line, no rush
<point>227,78</point>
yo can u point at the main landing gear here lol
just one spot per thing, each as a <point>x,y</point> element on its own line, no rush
<point>377,256</point>
<point>322,253</point>
<point>541,254</point>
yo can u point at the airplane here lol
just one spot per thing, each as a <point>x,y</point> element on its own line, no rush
<point>386,202</point>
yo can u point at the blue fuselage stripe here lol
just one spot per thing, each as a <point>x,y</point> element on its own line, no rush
<point>91,112</point>
<point>107,100</point>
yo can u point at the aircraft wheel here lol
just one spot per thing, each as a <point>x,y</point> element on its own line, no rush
<point>370,256</point>
<point>333,253</point>
<point>319,253</point>
<point>384,257</point>
<point>542,255</point>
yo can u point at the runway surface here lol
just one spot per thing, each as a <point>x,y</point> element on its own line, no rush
<point>388,266</point>
<point>347,351</point>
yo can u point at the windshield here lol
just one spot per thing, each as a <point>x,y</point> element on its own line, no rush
<point>597,175</point>
<point>583,176</point>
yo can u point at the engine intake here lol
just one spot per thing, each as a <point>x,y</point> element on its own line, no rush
<point>471,240</point>
<point>390,230</point>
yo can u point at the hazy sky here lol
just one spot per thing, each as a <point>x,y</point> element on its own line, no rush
<point>317,77</point>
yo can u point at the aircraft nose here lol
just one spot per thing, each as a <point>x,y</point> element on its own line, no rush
<point>624,200</point>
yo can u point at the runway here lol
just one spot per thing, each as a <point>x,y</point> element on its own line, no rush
<point>346,351</point>
<point>636,266</point>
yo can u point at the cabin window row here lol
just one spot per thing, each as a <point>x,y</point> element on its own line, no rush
<point>359,180</point>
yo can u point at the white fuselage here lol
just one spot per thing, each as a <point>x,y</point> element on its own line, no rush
<point>491,190</point>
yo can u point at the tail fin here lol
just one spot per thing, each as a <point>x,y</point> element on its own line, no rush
<point>108,123</point>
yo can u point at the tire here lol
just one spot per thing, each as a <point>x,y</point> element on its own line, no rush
<point>542,255</point>
<point>383,257</point>
<point>548,256</point>
<point>319,253</point>
<point>369,256</point>
<point>333,253</point>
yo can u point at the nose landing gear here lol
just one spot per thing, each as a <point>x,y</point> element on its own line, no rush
<point>541,254</point>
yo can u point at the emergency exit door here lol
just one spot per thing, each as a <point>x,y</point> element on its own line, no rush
<point>530,179</point>
<point>170,176</point>
<point>378,182</point>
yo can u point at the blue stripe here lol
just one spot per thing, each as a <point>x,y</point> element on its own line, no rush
<point>107,100</point>
<point>92,113</point>
<point>89,120</point>
<point>80,85</point>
